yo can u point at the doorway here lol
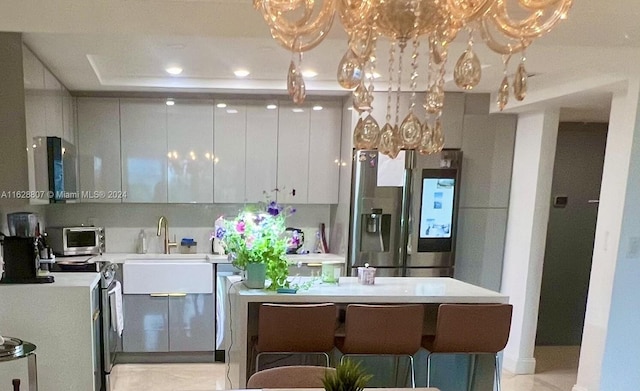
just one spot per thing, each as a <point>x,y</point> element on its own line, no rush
<point>577,176</point>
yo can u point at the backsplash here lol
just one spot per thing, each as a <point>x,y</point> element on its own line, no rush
<point>123,222</point>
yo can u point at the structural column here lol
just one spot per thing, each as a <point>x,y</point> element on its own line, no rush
<point>610,351</point>
<point>534,154</point>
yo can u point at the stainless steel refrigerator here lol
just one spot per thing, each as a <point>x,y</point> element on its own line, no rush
<point>404,218</point>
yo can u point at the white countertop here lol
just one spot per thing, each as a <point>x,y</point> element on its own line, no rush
<point>385,290</point>
<point>210,258</point>
<point>61,280</point>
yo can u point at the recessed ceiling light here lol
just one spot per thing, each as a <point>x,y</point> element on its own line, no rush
<point>221,105</point>
<point>297,110</point>
<point>232,111</point>
<point>272,107</point>
<point>309,73</point>
<point>241,73</point>
<point>317,108</point>
<point>170,102</point>
<point>376,75</point>
<point>174,70</point>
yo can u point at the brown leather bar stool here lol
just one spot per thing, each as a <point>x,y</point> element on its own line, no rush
<point>296,329</point>
<point>394,330</point>
<point>470,329</point>
<point>295,376</point>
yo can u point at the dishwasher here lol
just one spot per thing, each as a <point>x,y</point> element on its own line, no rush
<point>222,301</point>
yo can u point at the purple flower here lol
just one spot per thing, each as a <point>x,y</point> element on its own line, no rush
<point>274,209</point>
<point>240,226</point>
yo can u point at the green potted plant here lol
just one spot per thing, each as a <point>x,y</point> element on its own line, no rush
<point>254,240</point>
<point>349,376</point>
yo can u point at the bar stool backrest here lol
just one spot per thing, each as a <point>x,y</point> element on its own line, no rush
<point>383,329</point>
<point>472,328</point>
<point>297,376</point>
<point>296,327</point>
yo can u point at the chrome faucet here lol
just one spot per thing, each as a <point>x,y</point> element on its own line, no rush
<point>163,223</point>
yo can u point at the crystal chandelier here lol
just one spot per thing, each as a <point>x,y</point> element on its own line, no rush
<point>507,27</point>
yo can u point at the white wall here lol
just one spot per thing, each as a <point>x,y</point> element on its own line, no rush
<point>526,232</point>
<point>610,351</point>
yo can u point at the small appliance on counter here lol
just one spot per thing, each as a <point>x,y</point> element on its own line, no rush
<point>295,239</point>
<point>20,251</point>
<point>70,241</point>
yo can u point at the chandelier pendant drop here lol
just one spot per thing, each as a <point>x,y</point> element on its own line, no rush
<point>300,25</point>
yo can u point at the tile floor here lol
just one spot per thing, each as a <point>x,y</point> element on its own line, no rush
<point>556,371</point>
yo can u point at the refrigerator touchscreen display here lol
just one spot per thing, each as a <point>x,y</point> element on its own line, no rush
<point>437,210</point>
<point>436,214</point>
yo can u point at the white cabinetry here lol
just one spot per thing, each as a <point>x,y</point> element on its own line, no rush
<point>293,154</point>
<point>230,134</point>
<point>261,150</point>
<point>68,117</point>
<point>190,151</point>
<point>246,134</point>
<point>99,147</point>
<point>309,153</point>
<point>53,105</point>
<point>324,153</point>
<point>143,127</point>
<point>48,112</point>
<point>34,100</point>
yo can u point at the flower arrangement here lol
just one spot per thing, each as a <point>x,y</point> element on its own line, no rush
<point>256,235</point>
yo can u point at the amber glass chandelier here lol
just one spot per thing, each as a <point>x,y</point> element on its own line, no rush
<point>507,27</point>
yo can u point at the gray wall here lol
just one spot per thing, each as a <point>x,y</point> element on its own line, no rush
<point>567,263</point>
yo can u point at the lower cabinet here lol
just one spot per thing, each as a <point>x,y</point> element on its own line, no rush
<point>169,323</point>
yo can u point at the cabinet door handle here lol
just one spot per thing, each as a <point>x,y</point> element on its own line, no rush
<point>96,313</point>
<point>159,295</point>
<point>314,264</point>
<point>177,294</point>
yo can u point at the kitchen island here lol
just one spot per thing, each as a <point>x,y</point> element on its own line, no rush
<point>244,304</point>
<point>58,319</point>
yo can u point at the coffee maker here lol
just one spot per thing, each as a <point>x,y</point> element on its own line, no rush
<point>20,251</point>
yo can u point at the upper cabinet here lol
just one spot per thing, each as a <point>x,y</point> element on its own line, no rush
<point>293,153</point>
<point>53,105</point>
<point>143,128</point>
<point>324,152</point>
<point>190,151</point>
<point>309,153</point>
<point>200,151</point>
<point>246,140</point>
<point>49,112</point>
<point>99,148</point>
<point>261,151</point>
<point>230,137</point>
<point>68,117</point>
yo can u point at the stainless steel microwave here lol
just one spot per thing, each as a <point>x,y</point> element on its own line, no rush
<point>66,241</point>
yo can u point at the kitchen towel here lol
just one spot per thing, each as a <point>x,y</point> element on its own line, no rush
<point>115,303</point>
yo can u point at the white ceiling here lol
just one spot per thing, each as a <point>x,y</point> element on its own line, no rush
<point>125,45</point>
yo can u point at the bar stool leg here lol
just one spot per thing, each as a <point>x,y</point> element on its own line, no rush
<point>32,369</point>
<point>413,373</point>
<point>472,371</point>
<point>498,373</point>
<point>429,370</point>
